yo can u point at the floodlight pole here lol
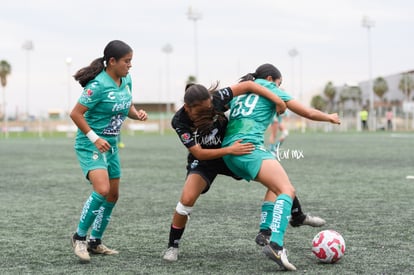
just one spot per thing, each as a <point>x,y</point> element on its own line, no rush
<point>5,118</point>
<point>194,16</point>
<point>68,62</point>
<point>293,53</point>
<point>167,49</point>
<point>28,46</point>
<point>368,24</point>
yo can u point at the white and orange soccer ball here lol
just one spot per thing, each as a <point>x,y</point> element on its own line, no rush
<point>328,246</point>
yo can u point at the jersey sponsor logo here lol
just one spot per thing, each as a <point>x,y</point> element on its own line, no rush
<point>121,106</point>
<point>111,95</point>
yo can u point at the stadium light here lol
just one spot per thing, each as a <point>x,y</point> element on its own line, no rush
<point>28,46</point>
<point>194,16</point>
<point>368,24</point>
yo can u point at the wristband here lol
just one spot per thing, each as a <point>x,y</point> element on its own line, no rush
<point>93,137</point>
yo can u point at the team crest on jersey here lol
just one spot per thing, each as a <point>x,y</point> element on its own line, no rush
<point>186,137</point>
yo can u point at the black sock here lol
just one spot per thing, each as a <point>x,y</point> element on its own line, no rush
<point>175,236</point>
<point>266,231</point>
<point>275,246</point>
<point>95,242</point>
<point>296,211</point>
<point>79,238</point>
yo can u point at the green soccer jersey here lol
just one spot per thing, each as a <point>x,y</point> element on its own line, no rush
<point>108,105</point>
<point>251,114</point>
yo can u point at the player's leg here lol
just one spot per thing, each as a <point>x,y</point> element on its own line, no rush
<point>194,185</point>
<point>279,185</point>
<point>100,182</point>
<point>297,217</point>
<point>102,219</point>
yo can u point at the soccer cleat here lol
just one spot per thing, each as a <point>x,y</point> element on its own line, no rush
<point>263,237</point>
<point>171,254</point>
<point>80,249</point>
<point>313,221</point>
<point>278,256</point>
<point>96,247</point>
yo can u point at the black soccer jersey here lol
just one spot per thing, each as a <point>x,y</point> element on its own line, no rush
<point>189,136</point>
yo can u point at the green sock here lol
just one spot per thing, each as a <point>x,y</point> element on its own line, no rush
<point>266,215</point>
<point>89,212</point>
<point>102,220</point>
<point>281,213</point>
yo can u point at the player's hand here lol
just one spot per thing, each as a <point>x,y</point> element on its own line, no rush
<point>102,145</point>
<point>142,115</point>
<point>239,148</point>
<point>281,108</point>
<point>334,118</point>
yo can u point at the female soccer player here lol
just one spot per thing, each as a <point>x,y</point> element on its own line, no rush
<point>99,113</point>
<point>250,115</point>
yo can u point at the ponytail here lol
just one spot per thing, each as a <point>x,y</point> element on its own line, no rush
<point>86,74</point>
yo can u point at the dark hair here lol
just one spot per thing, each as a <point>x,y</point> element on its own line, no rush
<point>116,49</point>
<point>262,72</point>
<point>195,93</point>
<point>204,122</point>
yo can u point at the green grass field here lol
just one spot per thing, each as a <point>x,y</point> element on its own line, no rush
<point>356,181</point>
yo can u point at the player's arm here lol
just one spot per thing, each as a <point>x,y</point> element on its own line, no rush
<point>137,115</point>
<point>251,86</point>
<point>77,115</point>
<point>236,148</point>
<point>312,114</point>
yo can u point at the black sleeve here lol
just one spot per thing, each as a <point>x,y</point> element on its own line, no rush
<point>221,99</point>
<point>183,129</point>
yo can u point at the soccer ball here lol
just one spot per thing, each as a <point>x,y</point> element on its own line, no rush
<point>328,246</point>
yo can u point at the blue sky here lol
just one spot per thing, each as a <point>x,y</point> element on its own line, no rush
<point>233,38</point>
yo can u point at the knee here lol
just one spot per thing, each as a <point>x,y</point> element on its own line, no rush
<point>102,191</point>
<point>188,200</point>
